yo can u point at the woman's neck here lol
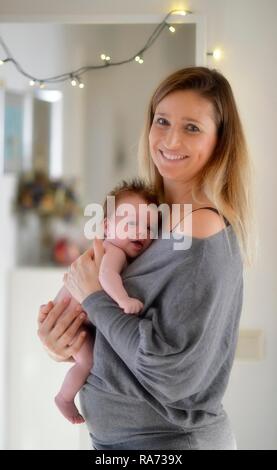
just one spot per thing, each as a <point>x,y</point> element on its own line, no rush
<point>181,193</point>
<point>176,192</point>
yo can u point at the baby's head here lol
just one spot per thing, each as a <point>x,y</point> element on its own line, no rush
<point>132,227</point>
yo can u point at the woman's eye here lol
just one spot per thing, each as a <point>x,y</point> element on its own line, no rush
<point>192,128</point>
<point>161,119</point>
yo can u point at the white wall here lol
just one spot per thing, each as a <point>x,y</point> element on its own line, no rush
<point>34,422</point>
<point>246,30</point>
<point>7,257</point>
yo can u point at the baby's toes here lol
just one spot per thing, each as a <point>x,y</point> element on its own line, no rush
<point>79,419</point>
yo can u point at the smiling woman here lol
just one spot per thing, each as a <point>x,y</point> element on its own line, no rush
<point>158,379</point>
<point>192,149</point>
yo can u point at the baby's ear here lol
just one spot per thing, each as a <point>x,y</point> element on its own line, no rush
<point>105,224</point>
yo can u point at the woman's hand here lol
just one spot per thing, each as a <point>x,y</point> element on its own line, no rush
<point>82,278</point>
<point>58,335</point>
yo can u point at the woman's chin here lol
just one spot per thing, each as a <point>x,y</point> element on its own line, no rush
<point>169,173</point>
<point>169,170</point>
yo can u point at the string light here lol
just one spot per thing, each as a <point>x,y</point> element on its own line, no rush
<point>216,54</point>
<point>75,75</point>
<point>105,57</point>
<point>139,59</point>
<point>3,61</point>
<point>80,83</point>
<point>73,81</point>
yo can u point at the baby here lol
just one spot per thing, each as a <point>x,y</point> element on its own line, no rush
<point>121,247</point>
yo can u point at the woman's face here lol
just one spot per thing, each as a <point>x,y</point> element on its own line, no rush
<point>183,135</point>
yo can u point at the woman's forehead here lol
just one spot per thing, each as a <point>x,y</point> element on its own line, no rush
<point>187,105</point>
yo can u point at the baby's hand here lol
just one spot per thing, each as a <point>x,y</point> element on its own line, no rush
<point>131,305</point>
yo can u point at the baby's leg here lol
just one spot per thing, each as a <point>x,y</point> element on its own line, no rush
<point>73,382</point>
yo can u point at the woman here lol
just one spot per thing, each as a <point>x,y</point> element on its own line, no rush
<point>158,380</point>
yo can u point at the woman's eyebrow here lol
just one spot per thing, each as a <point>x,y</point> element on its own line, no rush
<point>183,118</point>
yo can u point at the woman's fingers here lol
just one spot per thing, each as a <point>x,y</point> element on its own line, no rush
<point>96,252</point>
<point>43,311</point>
<point>67,338</point>
<point>65,322</point>
<point>77,344</point>
<point>52,317</point>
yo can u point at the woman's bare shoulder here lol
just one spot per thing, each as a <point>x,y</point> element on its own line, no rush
<point>206,223</point>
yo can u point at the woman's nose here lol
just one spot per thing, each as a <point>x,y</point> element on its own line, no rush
<point>173,139</point>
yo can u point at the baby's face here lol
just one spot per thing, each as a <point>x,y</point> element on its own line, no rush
<point>128,231</point>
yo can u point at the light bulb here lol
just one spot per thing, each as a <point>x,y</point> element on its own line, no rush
<point>81,85</point>
<point>137,58</point>
<point>180,12</point>
<point>217,54</point>
<point>32,83</point>
<point>1,62</point>
<point>140,61</point>
<point>172,29</point>
<point>108,58</point>
<point>103,56</point>
<point>73,82</point>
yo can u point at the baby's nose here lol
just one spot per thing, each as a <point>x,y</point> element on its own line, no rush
<point>142,233</point>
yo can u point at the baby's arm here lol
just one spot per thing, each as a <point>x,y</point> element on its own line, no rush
<point>111,266</point>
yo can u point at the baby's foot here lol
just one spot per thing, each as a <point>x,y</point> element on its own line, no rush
<point>69,410</point>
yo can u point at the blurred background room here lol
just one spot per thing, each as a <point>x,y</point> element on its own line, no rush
<point>63,147</point>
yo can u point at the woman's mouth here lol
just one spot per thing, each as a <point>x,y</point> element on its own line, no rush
<point>173,158</point>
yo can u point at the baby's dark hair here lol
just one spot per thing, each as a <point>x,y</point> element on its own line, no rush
<point>136,186</point>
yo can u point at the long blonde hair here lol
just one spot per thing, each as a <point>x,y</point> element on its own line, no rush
<point>227,177</point>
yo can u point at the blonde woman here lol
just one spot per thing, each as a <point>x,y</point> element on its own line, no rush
<point>158,380</point>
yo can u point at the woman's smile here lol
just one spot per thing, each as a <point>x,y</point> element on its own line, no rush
<point>172,157</point>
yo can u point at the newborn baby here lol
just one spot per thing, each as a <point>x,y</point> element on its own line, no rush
<point>126,237</point>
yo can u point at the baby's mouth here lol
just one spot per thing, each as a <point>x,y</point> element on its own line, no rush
<point>137,243</point>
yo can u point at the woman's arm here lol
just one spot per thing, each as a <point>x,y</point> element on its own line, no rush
<point>178,347</point>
